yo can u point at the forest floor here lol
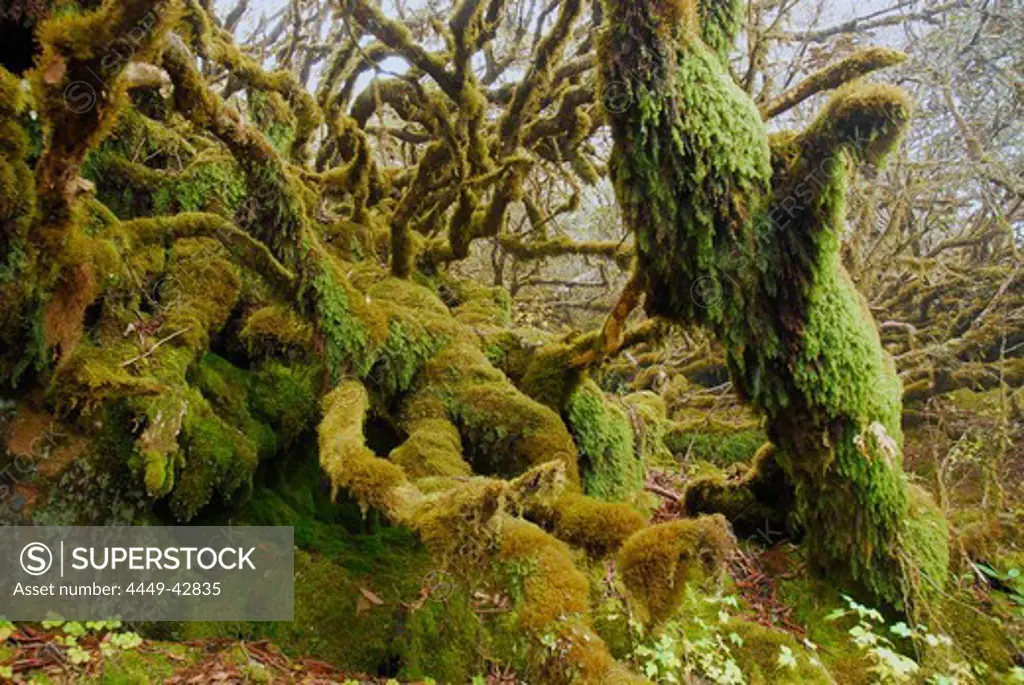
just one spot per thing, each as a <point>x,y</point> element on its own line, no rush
<point>367,611</point>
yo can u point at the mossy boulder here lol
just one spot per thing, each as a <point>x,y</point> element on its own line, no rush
<point>658,562</point>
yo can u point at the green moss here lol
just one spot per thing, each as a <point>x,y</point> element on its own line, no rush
<point>203,290</point>
<point>550,598</point>
<point>720,448</point>
<point>334,561</point>
<point>271,115</point>
<point>599,528</point>
<point>658,562</point>
<point>552,587</point>
<point>504,432</point>
<point>981,638</point>
<point>925,539</point>
<point>758,656</point>
<point>285,397</point>
<point>720,23</point>
<point>346,338</point>
<point>475,304</point>
<point>610,468</point>
<point>443,640</point>
<point>17,206</point>
<point>215,459</point>
<point>744,239</point>
<point>401,357</point>
<point>329,625</point>
<point>433,448</point>
<point>226,387</point>
<point>649,417</point>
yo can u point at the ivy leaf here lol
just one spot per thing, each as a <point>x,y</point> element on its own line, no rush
<point>901,629</point>
<point>6,630</point>
<point>786,658</point>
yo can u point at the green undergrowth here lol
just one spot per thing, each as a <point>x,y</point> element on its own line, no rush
<point>155,662</point>
<point>722,448</point>
<point>340,557</point>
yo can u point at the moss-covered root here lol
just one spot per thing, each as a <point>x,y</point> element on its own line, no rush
<point>599,528</point>
<point>554,602</point>
<point>504,433</point>
<point>349,463</point>
<point>761,500</point>
<point>657,563</point>
<point>433,448</point>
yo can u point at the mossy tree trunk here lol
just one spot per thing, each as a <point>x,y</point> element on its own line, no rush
<point>739,232</point>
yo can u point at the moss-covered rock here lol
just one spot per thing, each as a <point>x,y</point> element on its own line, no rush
<point>658,562</point>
